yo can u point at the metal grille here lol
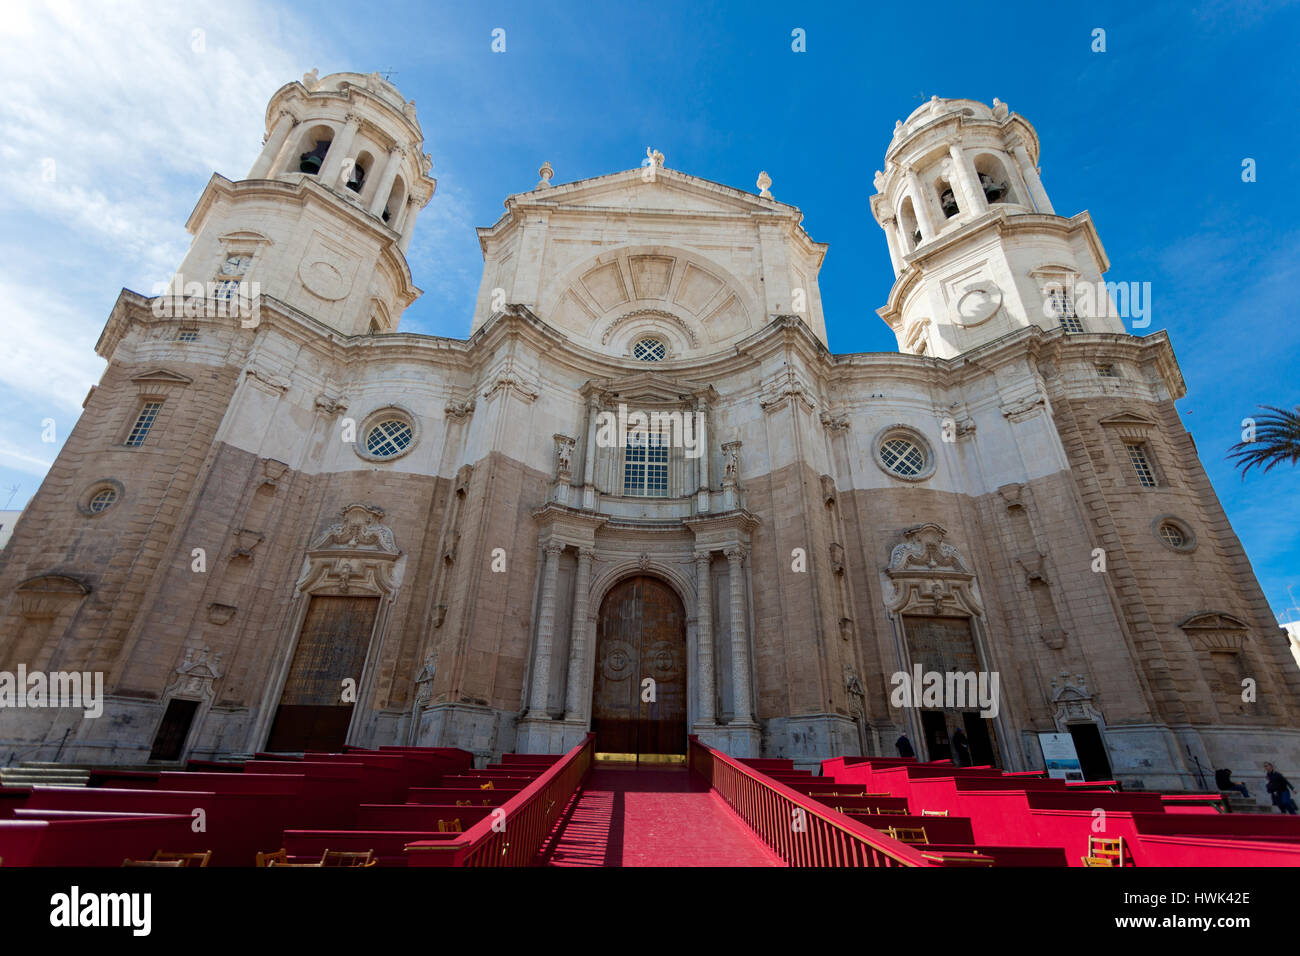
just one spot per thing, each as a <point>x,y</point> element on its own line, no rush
<point>1137,453</point>
<point>140,430</point>
<point>649,350</point>
<point>1173,535</point>
<point>389,438</point>
<point>102,500</point>
<point>902,457</point>
<point>187,335</point>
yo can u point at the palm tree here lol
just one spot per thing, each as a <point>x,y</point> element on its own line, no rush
<point>1277,439</point>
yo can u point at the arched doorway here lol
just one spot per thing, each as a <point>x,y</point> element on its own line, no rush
<point>640,637</point>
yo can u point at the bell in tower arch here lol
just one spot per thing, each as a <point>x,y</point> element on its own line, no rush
<point>993,191</point>
<point>949,203</point>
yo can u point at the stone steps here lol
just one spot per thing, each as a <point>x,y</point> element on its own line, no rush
<point>43,774</point>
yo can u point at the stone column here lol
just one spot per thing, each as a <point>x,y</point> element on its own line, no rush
<point>741,710</point>
<point>1030,174</point>
<point>573,695</point>
<point>589,456</point>
<point>274,144</point>
<point>386,179</point>
<point>408,224</point>
<point>920,205</point>
<point>704,637</point>
<point>967,182</point>
<point>338,152</point>
<point>703,438</point>
<point>545,626</point>
<point>891,240</point>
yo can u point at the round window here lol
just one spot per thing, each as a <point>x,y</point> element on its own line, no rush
<point>1174,534</point>
<point>388,438</point>
<point>902,456</point>
<point>649,350</point>
<point>102,500</point>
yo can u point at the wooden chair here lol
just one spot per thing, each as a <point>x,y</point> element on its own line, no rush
<point>934,813</point>
<point>175,863</point>
<point>488,786</point>
<point>348,858</point>
<point>186,859</point>
<point>896,813</point>
<point>280,858</point>
<point>464,803</point>
<point>449,826</point>
<point>1105,851</point>
<point>912,835</point>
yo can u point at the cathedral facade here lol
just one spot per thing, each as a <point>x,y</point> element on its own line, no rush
<point>643,498</point>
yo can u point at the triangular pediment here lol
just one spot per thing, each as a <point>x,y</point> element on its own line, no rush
<point>1128,419</point>
<point>669,190</point>
<point>161,376</point>
<point>650,388</point>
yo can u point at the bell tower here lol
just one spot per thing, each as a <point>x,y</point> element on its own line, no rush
<point>324,218</point>
<point>977,248</point>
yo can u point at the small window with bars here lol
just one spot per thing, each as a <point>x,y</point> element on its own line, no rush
<point>1107,371</point>
<point>143,422</point>
<point>1140,456</point>
<point>645,465</point>
<point>187,335</point>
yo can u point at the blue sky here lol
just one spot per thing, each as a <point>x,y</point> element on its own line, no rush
<point>131,111</point>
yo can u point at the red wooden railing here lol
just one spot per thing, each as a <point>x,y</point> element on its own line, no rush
<point>817,836</point>
<point>513,837</point>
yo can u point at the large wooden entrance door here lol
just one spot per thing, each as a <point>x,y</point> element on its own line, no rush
<point>641,633</point>
<point>945,645</point>
<point>332,647</point>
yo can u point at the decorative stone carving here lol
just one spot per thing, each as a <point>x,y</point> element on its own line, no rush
<point>220,614</point>
<point>660,314</point>
<point>926,575</point>
<point>460,410</point>
<point>195,675</point>
<point>834,423</point>
<point>357,553</point>
<point>1000,110</point>
<point>424,680</point>
<point>643,561</point>
<point>510,378</point>
<point>1216,631</point>
<point>331,404</point>
<point>563,456</point>
<point>311,79</point>
<point>656,158</point>
<point>837,558</point>
<point>828,490</point>
<point>1019,409</point>
<point>785,387</point>
<point>764,181</point>
<point>245,541</point>
<point>1074,702</point>
<point>731,470</point>
<point>546,172</point>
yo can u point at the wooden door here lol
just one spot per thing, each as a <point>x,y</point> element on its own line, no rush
<point>641,633</point>
<point>331,648</point>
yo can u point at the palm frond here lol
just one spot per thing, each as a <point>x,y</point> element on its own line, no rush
<point>1277,440</point>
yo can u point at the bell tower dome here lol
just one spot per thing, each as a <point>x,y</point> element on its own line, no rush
<point>977,248</point>
<point>325,216</point>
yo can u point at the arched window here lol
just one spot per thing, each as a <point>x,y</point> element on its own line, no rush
<point>316,144</point>
<point>394,205</point>
<point>994,179</point>
<point>907,221</point>
<point>357,174</point>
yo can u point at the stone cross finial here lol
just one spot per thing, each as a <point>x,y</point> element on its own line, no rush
<point>764,181</point>
<point>546,172</point>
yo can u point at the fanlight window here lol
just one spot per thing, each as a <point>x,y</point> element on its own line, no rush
<point>902,456</point>
<point>650,350</point>
<point>389,438</point>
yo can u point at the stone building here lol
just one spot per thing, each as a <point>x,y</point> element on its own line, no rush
<point>281,523</point>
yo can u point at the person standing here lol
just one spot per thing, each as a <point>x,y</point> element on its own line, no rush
<point>960,749</point>
<point>904,746</point>
<point>1280,788</point>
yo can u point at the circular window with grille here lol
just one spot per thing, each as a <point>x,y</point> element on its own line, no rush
<point>1174,534</point>
<point>386,434</point>
<point>649,350</point>
<point>99,496</point>
<point>102,500</point>
<point>902,453</point>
